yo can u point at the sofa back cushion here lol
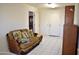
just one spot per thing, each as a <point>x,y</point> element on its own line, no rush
<point>17,35</point>
<point>20,37</point>
<point>30,33</point>
<point>25,33</point>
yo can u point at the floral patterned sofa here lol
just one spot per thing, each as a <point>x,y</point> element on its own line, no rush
<point>22,41</point>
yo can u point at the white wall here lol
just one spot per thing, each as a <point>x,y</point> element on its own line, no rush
<point>14,16</point>
<point>76,15</point>
<point>51,21</point>
<point>76,18</point>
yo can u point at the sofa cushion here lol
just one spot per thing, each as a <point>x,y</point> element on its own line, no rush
<point>30,33</point>
<point>25,45</point>
<point>24,40</point>
<point>32,41</point>
<point>20,37</point>
<point>25,34</point>
<point>17,35</point>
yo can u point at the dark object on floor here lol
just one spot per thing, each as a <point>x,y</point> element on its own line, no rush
<point>53,35</point>
<point>22,41</point>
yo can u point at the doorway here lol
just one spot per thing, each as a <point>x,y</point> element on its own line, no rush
<point>31,21</point>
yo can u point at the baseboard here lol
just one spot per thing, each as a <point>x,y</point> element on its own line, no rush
<point>6,53</point>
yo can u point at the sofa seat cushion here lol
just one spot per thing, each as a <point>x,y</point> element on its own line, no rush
<point>32,41</point>
<point>25,45</point>
<point>29,47</point>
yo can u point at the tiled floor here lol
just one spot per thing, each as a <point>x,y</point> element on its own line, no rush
<point>48,46</point>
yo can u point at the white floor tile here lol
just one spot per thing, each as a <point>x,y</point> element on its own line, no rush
<point>48,46</point>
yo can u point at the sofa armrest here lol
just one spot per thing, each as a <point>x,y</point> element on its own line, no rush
<point>38,35</point>
<point>13,45</point>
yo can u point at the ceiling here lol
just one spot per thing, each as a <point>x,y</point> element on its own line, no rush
<point>42,5</point>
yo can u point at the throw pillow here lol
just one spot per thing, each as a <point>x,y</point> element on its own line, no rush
<point>24,33</point>
<point>17,35</point>
<point>24,40</point>
<point>20,37</point>
<point>30,33</point>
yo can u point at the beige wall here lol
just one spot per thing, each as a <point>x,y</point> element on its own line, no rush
<point>51,21</point>
<point>14,16</point>
<point>76,15</point>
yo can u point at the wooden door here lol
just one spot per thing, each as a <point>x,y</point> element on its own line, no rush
<point>70,32</point>
<point>70,40</point>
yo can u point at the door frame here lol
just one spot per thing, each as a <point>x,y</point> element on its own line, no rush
<point>33,14</point>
